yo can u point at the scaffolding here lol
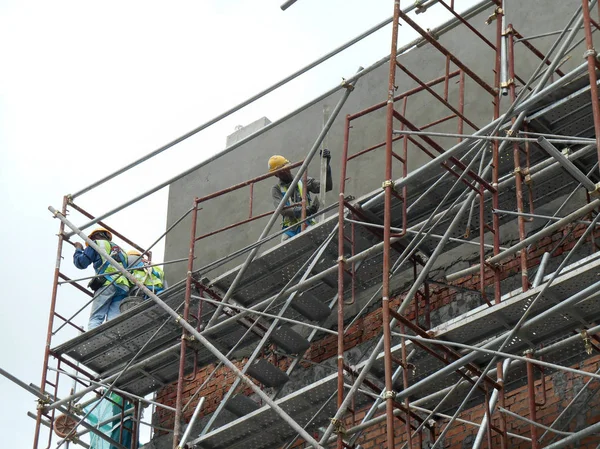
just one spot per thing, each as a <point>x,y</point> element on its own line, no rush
<point>381,251</point>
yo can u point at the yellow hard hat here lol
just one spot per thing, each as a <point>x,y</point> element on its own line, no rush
<point>110,236</point>
<point>133,252</point>
<point>276,162</point>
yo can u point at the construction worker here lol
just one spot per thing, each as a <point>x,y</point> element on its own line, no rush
<point>152,277</point>
<point>110,288</point>
<point>292,215</point>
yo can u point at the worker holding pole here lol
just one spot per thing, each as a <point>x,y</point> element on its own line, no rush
<point>293,215</point>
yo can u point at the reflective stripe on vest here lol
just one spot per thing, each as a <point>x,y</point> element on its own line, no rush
<point>106,268</point>
<point>288,222</point>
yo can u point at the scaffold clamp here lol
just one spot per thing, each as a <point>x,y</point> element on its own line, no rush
<point>387,183</point>
<point>345,84</point>
<point>507,83</point>
<point>420,7</point>
<point>589,52</point>
<point>77,409</point>
<point>433,34</point>
<point>338,426</point>
<point>587,341</point>
<point>596,192</point>
<point>390,394</point>
<point>42,402</point>
<point>494,16</point>
<point>189,338</point>
<point>342,259</point>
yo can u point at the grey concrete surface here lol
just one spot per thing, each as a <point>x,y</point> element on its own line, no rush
<point>294,137</point>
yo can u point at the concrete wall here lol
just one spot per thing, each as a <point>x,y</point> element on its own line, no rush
<point>294,137</point>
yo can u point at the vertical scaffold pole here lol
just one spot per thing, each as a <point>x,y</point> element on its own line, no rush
<point>184,334</point>
<point>517,160</point>
<point>495,217</point>
<point>61,229</point>
<point>341,267</point>
<point>388,185</point>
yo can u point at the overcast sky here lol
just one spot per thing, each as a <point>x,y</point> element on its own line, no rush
<point>86,87</point>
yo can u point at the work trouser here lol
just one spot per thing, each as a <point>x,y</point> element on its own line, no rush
<point>106,304</point>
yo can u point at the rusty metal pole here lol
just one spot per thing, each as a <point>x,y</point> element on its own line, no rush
<point>517,161</point>
<point>495,217</point>
<point>591,60</point>
<point>461,103</point>
<point>341,267</point>
<point>531,398</point>
<point>388,185</point>
<point>61,229</point>
<point>135,425</point>
<point>496,158</point>
<point>184,334</point>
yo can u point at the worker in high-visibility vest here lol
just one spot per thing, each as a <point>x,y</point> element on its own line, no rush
<point>109,286</point>
<point>292,215</point>
<point>152,277</point>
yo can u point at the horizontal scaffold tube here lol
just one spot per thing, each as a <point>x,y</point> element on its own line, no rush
<point>528,241</point>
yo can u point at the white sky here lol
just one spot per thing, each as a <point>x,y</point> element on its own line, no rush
<point>86,87</point>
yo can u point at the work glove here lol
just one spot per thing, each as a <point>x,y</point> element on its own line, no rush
<point>314,207</point>
<point>297,211</point>
<point>326,154</point>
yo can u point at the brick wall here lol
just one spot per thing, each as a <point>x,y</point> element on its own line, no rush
<point>369,327</point>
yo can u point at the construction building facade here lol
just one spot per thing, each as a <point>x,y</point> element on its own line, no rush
<point>445,297</point>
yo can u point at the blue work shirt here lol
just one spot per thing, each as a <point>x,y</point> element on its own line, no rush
<point>83,258</point>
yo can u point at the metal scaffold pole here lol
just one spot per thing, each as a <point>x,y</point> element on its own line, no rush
<point>51,315</point>
<point>388,185</point>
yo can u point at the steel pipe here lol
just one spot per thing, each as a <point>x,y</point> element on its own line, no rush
<point>566,140</point>
<point>576,437</point>
<point>492,404</point>
<point>541,268</point>
<point>529,240</point>
<point>188,429</point>
<point>569,167</point>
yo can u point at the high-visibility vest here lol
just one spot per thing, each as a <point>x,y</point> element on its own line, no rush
<point>151,277</point>
<point>289,222</point>
<point>106,268</point>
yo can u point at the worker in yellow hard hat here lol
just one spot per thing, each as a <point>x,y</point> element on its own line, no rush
<point>152,277</point>
<point>109,286</point>
<point>292,215</point>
